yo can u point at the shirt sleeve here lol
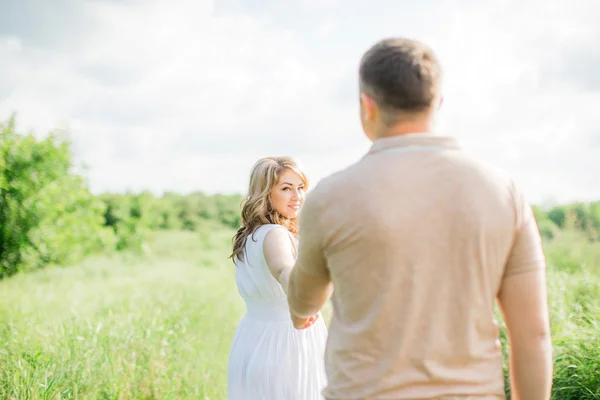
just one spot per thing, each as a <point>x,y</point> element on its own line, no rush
<point>311,258</point>
<point>527,252</point>
<point>308,284</point>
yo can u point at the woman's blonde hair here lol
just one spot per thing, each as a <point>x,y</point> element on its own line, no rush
<point>257,209</point>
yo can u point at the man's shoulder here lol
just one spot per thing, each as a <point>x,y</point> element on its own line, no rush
<point>476,165</point>
<point>486,174</point>
<point>335,181</point>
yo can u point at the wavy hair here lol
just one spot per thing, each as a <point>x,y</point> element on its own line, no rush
<point>257,209</point>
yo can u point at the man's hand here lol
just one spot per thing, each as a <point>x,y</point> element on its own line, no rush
<point>303,323</point>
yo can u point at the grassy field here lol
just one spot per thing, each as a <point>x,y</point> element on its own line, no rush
<point>159,325</point>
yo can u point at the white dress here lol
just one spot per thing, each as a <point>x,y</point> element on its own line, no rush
<point>269,358</point>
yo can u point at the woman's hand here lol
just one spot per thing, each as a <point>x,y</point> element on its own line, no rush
<point>303,323</point>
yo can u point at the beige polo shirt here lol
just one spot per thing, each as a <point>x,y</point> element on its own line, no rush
<point>416,237</point>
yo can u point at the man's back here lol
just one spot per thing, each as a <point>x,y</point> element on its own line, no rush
<point>417,238</point>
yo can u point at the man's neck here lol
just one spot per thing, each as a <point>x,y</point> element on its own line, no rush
<point>406,128</point>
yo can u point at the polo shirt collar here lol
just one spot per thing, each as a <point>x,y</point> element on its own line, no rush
<point>413,140</point>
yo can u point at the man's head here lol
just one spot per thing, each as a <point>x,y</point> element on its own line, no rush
<point>400,87</point>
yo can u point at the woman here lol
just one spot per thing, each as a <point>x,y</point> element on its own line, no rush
<point>270,359</point>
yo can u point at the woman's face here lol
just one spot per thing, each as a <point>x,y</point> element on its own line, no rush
<point>287,196</point>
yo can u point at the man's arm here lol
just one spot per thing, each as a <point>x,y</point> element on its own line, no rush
<point>309,283</point>
<point>308,293</point>
<point>524,305</point>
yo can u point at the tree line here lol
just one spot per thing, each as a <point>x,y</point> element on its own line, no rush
<point>49,216</point>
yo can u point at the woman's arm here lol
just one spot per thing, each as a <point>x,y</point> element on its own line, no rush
<point>279,254</point>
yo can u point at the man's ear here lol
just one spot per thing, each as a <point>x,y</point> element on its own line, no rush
<point>369,107</point>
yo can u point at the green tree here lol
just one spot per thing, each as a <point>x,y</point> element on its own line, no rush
<point>47,214</point>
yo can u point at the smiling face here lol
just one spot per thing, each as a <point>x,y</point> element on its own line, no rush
<point>287,196</point>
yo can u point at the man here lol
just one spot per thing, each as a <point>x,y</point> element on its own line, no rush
<point>419,240</point>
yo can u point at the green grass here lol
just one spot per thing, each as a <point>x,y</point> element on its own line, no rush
<point>574,300</point>
<point>152,327</point>
<point>574,297</point>
<point>159,325</point>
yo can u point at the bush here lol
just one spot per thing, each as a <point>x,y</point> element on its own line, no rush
<point>171,211</point>
<point>47,214</point>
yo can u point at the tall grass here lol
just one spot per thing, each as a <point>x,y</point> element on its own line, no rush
<point>124,327</point>
<point>574,301</point>
<point>574,297</point>
<point>159,325</point>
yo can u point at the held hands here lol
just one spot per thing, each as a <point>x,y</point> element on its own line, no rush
<point>303,323</point>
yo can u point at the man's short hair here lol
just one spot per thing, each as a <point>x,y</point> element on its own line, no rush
<point>401,75</point>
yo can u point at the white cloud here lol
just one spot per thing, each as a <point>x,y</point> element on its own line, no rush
<point>187,95</point>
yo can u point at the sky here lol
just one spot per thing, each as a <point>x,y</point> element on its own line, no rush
<point>185,95</point>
